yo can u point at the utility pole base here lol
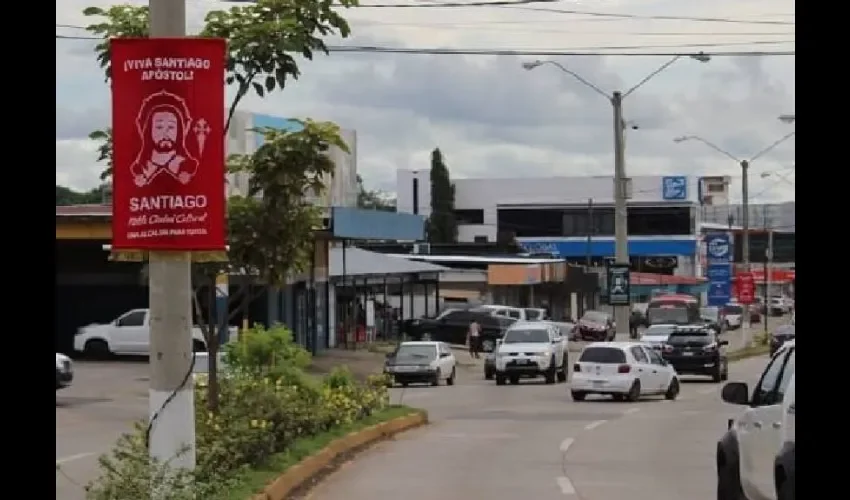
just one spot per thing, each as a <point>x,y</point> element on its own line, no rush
<point>174,429</point>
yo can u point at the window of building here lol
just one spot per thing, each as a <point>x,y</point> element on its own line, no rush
<point>479,239</point>
<point>653,221</point>
<point>475,216</point>
<point>530,222</point>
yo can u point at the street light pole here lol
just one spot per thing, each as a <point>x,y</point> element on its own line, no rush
<point>745,216</point>
<point>171,397</point>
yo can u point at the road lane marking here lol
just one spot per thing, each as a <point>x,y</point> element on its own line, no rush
<point>631,410</point>
<point>71,458</point>
<point>594,424</point>
<point>565,444</point>
<point>566,485</point>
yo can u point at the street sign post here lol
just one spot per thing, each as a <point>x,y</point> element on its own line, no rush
<point>619,284</point>
<point>719,269</point>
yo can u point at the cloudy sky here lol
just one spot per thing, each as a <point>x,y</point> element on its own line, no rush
<point>489,116</point>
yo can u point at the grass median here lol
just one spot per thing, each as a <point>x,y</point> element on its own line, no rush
<point>251,482</point>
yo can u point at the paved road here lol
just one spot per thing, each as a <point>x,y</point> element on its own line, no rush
<point>532,441</point>
<point>103,402</point>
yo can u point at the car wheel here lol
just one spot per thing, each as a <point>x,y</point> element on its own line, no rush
<point>673,390</point>
<point>96,349</point>
<point>717,374</point>
<point>500,379</point>
<point>551,373</point>
<point>725,375</point>
<point>514,380</point>
<point>436,380</point>
<point>562,373</point>
<point>634,392</point>
<point>618,397</point>
<point>451,379</point>
<point>728,480</point>
<point>578,395</point>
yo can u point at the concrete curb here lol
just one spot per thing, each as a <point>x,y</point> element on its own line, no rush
<point>299,474</point>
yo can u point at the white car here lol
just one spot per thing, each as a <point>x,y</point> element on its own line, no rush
<point>755,458</point>
<point>422,362</point>
<point>127,334</point>
<point>64,371</point>
<point>532,349</point>
<point>733,316</point>
<point>656,335</point>
<point>624,370</point>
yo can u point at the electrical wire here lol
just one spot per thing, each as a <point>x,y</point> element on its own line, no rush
<point>582,51</point>
<point>169,399</point>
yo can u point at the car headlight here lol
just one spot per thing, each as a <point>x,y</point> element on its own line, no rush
<point>543,355</point>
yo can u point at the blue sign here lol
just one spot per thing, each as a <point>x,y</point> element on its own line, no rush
<point>674,188</point>
<point>719,284</point>
<point>718,248</point>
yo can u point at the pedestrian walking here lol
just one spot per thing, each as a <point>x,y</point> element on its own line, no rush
<point>474,338</point>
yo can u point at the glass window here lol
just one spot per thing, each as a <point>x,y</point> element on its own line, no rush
<point>764,394</point>
<point>526,336</point>
<point>604,355</point>
<point>639,355</point>
<point>786,375</point>
<point>654,357</point>
<point>135,318</point>
<point>513,314</point>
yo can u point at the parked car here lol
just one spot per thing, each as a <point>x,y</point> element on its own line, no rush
<point>453,324</point>
<point>532,349</point>
<point>421,362</point>
<point>128,334</point>
<point>779,306</point>
<point>696,350</point>
<point>782,334</point>
<point>624,370</point>
<point>755,457</point>
<point>64,371</point>
<point>517,313</point>
<point>595,326</point>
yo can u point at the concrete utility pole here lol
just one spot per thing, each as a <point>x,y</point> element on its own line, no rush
<point>745,216</point>
<point>621,216</point>
<point>172,410</point>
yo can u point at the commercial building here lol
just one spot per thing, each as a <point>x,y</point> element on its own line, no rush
<point>573,217</point>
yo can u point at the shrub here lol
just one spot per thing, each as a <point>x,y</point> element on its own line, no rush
<point>266,352</point>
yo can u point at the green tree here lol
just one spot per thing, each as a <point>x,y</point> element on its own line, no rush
<point>269,237</point>
<point>442,226</point>
<point>66,196</point>
<point>374,199</point>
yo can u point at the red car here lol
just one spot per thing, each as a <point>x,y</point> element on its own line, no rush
<point>596,326</point>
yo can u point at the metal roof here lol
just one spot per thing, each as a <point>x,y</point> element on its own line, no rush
<point>360,262</point>
<point>477,259</point>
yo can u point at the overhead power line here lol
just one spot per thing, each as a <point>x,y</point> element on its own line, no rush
<point>575,51</point>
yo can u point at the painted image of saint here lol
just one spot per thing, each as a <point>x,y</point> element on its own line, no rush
<point>163,124</point>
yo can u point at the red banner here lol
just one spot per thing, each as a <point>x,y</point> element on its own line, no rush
<point>745,287</point>
<point>168,133</point>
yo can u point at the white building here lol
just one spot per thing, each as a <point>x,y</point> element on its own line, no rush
<point>340,189</point>
<point>554,214</point>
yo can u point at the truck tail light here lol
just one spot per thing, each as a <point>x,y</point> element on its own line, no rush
<point>624,369</point>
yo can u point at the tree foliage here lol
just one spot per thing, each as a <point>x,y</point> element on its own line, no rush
<point>66,196</point>
<point>442,226</point>
<point>374,199</point>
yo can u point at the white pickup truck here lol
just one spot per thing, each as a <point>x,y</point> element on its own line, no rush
<point>128,334</point>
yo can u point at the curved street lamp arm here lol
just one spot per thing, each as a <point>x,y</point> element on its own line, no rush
<point>651,76</point>
<point>579,78</point>
<point>715,147</point>
<point>770,148</point>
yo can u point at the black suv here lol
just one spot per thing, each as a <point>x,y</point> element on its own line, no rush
<point>696,350</point>
<point>453,324</point>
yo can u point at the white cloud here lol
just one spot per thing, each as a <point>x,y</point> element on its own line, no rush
<point>488,115</point>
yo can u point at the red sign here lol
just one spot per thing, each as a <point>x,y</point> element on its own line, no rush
<point>745,287</point>
<point>168,133</point>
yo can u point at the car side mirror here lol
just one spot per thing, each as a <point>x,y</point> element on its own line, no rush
<point>736,393</point>
<point>723,342</point>
<point>444,355</point>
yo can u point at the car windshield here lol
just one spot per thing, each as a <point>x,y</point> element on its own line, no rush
<point>526,336</point>
<point>594,317</point>
<point>733,309</point>
<point>607,355</point>
<point>413,352</point>
<point>656,330</point>
<point>697,336</point>
<point>669,315</point>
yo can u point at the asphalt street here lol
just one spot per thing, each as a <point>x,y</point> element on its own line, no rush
<point>533,441</point>
<point>102,403</point>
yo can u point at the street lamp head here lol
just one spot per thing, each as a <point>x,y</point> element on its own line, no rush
<point>681,139</point>
<point>788,118</point>
<point>701,57</point>
<point>530,65</point>
<point>764,175</point>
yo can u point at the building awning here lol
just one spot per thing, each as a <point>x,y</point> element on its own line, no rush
<point>454,294</point>
<point>360,262</point>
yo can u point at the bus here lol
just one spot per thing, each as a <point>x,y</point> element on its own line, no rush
<point>675,309</point>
